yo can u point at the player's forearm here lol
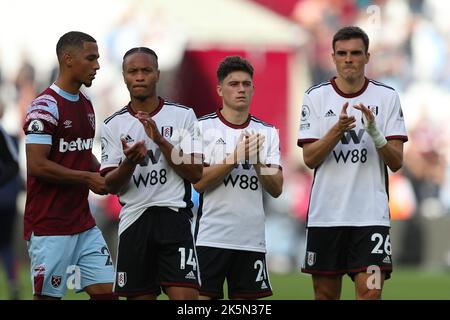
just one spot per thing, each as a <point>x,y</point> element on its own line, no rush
<point>213,176</point>
<point>315,153</point>
<point>271,179</point>
<point>95,165</point>
<point>116,179</point>
<point>55,173</point>
<point>187,166</point>
<point>392,154</point>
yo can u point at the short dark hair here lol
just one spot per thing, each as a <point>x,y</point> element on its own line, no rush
<point>231,64</point>
<point>139,49</point>
<point>72,39</point>
<point>351,32</point>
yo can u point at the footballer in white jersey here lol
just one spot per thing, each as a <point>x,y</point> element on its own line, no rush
<point>242,157</point>
<point>149,153</point>
<point>353,166</point>
<point>231,216</point>
<point>351,130</point>
<point>153,182</point>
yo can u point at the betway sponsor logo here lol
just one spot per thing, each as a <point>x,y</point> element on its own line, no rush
<point>75,145</point>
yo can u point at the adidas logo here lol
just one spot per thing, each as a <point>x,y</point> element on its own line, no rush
<point>129,139</point>
<point>220,141</point>
<point>263,285</point>
<point>190,275</point>
<point>387,260</point>
<point>330,113</point>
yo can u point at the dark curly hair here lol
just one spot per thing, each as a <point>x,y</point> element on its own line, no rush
<point>231,64</point>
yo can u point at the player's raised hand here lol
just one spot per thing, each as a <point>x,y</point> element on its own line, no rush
<point>371,127</point>
<point>136,153</point>
<point>255,148</point>
<point>149,126</point>
<point>248,147</point>
<point>367,114</point>
<point>96,183</point>
<point>346,123</point>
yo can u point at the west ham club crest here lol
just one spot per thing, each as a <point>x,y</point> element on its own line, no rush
<point>56,281</point>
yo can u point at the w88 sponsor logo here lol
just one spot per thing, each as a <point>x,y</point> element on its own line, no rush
<point>243,181</point>
<point>354,155</point>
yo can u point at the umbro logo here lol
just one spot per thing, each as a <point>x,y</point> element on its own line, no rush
<point>330,113</point>
<point>220,141</point>
<point>387,260</point>
<point>128,139</point>
<point>67,124</point>
<point>190,275</point>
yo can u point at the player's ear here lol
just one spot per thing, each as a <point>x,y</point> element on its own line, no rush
<point>219,90</point>
<point>68,59</point>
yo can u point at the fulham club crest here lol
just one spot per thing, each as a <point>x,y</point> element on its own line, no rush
<point>373,108</point>
<point>121,279</point>
<point>311,258</point>
<point>91,118</point>
<point>166,131</point>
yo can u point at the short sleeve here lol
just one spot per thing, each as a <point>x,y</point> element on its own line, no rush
<point>309,130</point>
<point>273,152</point>
<point>112,152</point>
<point>189,137</point>
<point>41,120</point>
<point>395,122</point>
<point>206,146</point>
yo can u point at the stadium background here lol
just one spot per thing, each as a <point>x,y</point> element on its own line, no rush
<point>288,42</point>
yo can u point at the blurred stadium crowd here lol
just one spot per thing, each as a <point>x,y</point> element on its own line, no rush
<point>410,51</point>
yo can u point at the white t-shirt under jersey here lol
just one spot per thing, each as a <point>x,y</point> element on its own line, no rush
<point>154,182</point>
<point>350,187</point>
<point>232,215</point>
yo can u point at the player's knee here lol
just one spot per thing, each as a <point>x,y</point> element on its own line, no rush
<point>369,294</point>
<point>327,288</point>
<point>326,295</point>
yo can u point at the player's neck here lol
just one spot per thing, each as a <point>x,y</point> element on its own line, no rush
<point>68,86</point>
<point>349,87</point>
<point>149,104</point>
<point>233,116</point>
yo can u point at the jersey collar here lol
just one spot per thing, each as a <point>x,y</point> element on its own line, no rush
<point>349,95</point>
<point>232,125</point>
<point>154,112</point>
<point>65,94</point>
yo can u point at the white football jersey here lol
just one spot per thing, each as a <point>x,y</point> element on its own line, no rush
<point>350,187</point>
<point>232,215</point>
<point>154,182</point>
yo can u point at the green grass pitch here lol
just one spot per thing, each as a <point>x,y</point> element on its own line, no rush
<point>405,284</point>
